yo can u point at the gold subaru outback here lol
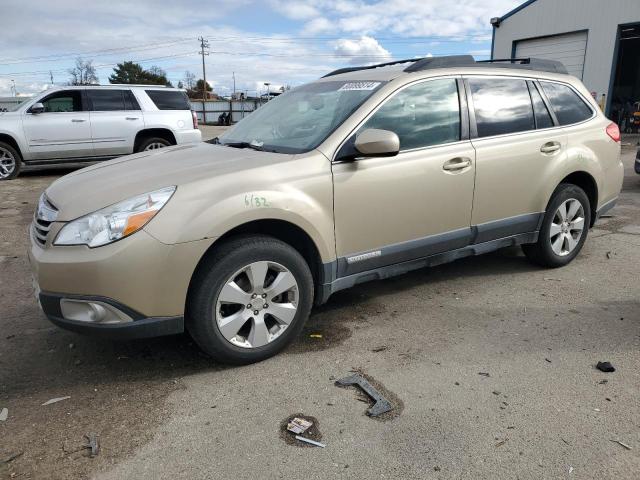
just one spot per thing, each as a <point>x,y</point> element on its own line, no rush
<point>363,174</point>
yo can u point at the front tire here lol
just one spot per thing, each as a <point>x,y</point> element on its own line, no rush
<point>564,228</point>
<point>10,161</point>
<point>249,299</point>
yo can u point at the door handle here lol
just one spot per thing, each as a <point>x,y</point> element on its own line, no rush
<point>458,163</point>
<point>131,118</point>
<point>550,147</point>
<point>77,120</point>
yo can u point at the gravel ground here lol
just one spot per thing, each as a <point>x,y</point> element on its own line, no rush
<point>489,359</point>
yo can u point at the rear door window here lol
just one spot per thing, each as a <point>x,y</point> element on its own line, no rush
<point>422,115</point>
<point>105,100</point>
<point>543,117</point>
<point>567,104</point>
<point>169,100</point>
<point>502,106</point>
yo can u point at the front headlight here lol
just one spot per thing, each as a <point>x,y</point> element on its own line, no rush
<point>114,222</point>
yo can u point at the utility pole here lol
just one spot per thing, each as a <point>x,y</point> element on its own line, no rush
<point>234,85</point>
<point>204,50</point>
<point>51,76</point>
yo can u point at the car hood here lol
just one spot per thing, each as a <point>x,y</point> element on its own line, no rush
<point>98,186</point>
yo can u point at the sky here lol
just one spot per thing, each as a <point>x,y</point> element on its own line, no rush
<point>276,41</point>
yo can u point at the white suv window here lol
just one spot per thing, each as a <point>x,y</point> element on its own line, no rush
<point>64,101</point>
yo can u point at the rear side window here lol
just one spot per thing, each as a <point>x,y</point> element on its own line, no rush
<point>421,115</point>
<point>105,100</point>
<point>567,104</point>
<point>502,105</point>
<point>543,117</point>
<point>169,100</point>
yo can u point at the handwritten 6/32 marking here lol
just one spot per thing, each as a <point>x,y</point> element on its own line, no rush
<point>255,201</point>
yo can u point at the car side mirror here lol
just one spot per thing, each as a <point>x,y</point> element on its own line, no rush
<point>37,108</point>
<point>373,142</point>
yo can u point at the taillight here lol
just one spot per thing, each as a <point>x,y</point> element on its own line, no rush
<point>614,132</point>
<point>195,119</point>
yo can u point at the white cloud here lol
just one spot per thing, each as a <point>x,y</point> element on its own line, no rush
<point>362,51</point>
<point>295,10</point>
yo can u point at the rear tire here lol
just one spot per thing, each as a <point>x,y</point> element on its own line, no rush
<point>153,143</point>
<point>564,228</point>
<point>10,161</point>
<point>249,321</point>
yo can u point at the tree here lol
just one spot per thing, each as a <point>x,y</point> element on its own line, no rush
<point>157,76</point>
<point>180,84</point>
<point>130,72</point>
<point>199,86</point>
<point>84,73</point>
<point>196,92</point>
<point>189,80</point>
<point>127,72</point>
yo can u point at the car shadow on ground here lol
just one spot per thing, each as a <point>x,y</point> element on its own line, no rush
<point>49,356</point>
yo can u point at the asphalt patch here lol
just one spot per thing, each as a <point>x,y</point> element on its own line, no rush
<point>313,432</point>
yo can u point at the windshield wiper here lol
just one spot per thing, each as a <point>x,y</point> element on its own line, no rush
<point>253,145</point>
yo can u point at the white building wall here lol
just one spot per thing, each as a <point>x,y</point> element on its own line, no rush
<point>551,17</point>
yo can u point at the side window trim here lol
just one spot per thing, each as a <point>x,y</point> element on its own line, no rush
<point>531,86</point>
<point>473,126</point>
<point>463,114</point>
<point>463,100</point>
<point>547,103</point>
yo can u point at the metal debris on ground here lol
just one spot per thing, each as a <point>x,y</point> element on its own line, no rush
<point>484,374</point>
<point>315,335</point>
<point>605,367</point>
<point>4,414</point>
<point>608,254</point>
<point>92,443</point>
<point>502,442</point>
<point>381,405</point>
<point>622,444</point>
<point>381,348</point>
<point>309,441</point>
<point>55,400</point>
<point>299,425</point>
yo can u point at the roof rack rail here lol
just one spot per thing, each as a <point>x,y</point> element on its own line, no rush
<point>420,64</point>
<point>369,67</point>
<point>528,63</point>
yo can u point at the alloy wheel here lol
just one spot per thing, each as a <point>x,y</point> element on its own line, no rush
<point>154,146</point>
<point>567,227</point>
<point>7,163</point>
<point>257,304</point>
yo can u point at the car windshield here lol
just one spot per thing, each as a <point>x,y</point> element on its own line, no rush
<point>299,120</point>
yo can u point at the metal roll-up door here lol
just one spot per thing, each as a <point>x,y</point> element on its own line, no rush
<point>568,48</point>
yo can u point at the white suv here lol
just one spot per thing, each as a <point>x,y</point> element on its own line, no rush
<point>92,123</point>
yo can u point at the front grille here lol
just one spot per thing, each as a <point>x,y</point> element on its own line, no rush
<point>44,216</point>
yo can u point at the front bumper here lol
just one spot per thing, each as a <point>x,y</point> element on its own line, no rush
<point>140,327</point>
<point>138,275</point>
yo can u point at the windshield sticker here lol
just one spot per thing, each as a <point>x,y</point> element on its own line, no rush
<point>359,86</point>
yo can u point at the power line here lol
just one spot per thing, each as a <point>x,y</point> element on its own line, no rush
<point>106,51</point>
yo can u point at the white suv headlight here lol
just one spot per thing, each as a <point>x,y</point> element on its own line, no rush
<point>114,222</point>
